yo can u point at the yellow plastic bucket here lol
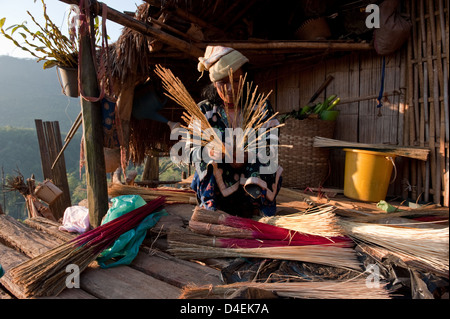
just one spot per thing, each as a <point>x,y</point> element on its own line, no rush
<point>367,174</point>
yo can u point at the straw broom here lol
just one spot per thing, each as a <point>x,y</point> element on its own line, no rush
<point>351,289</point>
<point>319,221</point>
<point>45,275</point>
<point>430,246</point>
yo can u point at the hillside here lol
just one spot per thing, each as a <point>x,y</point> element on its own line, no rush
<point>28,92</point>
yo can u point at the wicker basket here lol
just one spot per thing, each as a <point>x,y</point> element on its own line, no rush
<point>304,165</point>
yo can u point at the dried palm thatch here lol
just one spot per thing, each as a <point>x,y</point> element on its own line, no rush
<point>429,246</point>
<point>350,289</point>
<point>172,195</point>
<point>318,220</point>
<point>132,54</point>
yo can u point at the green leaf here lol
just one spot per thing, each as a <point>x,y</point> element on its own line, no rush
<point>2,22</point>
<point>49,64</point>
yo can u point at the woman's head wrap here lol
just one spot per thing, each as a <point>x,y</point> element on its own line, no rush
<point>218,60</point>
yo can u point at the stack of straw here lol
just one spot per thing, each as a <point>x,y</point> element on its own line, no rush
<point>319,221</point>
<point>172,195</point>
<point>427,245</point>
<point>242,237</point>
<point>45,275</point>
<point>351,289</point>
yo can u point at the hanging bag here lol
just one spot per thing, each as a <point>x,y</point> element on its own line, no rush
<point>394,28</point>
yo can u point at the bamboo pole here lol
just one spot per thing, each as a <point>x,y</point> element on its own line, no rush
<point>434,88</point>
<point>444,86</point>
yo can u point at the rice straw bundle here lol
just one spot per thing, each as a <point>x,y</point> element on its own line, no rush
<point>427,245</point>
<point>336,255</point>
<point>45,275</point>
<point>172,195</point>
<point>319,221</point>
<point>262,230</point>
<point>351,289</point>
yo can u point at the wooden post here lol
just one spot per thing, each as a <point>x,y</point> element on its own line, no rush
<point>49,139</point>
<point>97,189</point>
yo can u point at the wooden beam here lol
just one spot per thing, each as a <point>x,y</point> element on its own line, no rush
<point>130,22</point>
<point>292,45</point>
<point>97,188</point>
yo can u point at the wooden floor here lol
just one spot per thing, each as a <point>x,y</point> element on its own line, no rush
<point>154,274</point>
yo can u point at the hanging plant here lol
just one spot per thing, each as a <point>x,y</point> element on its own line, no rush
<point>46,44</point>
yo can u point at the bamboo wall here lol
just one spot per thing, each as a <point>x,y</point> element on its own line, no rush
<point>402,120</point>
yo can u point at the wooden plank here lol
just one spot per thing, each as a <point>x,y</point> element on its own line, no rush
<point>175,271</point>
<point>12,258</point>
<point>24,239</point>
<point>124,282</point>
<point>49,227</point>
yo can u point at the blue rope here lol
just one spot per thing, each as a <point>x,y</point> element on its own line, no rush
<point>380,95</point>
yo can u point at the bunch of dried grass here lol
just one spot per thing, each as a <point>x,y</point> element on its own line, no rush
<point>430,246</point>
<point>172,195</point>
<point>253,113</point>
<point>318,220</point>
<point>337,255</point>
<point>351,289</point>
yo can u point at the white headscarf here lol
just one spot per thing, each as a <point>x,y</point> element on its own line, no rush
<point>218,60</point>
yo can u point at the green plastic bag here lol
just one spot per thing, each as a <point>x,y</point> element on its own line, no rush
<point>126,247</point>
<point>1,271</point>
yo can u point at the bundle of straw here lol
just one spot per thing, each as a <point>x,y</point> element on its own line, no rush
<point>172,195</point>
<point>45,275</point>
<point>253,114</point>
<point>176,235</point>
<point>336,255</point>
<point>261,230</point>
<point>351,289</point>
<point>319,221</point>
<point>178,93</point>
<point>429,246</point>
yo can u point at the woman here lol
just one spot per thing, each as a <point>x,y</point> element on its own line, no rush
<point>239,187</point>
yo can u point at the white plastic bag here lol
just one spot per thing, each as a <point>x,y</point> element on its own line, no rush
<point>76,219</point>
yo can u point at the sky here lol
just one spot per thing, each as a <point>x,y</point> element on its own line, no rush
<point>15,12</point>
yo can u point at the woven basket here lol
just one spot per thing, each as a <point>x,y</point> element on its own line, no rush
<point>304,165</point>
